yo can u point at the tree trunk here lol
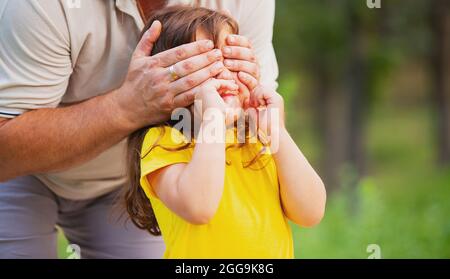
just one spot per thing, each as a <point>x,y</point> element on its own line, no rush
<point>357,85</point>
<point>441,75</point>
<point>330,110</point>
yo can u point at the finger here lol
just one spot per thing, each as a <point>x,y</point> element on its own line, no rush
<point>195,63</point>
<point>180,53</point>
<point>262,102</point>
<point>245,95</point>
<point>246,103</point>
<point>185,83</point>
<point>248,80</point>
<point>264,96</point>
<point>184,99</point>
<point>187,98</point>
<point>254,102</point>
<point>257,98</point>
<point>145,45</point>
<point>251,99</point>
<point>238,40</point>
<point>237,52</point>
<point>226,75</point>
<point>242,66</point>
<point>224,84</point>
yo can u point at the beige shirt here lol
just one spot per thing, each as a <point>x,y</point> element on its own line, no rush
<point>58,52</point>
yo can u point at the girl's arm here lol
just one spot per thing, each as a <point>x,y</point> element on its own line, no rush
<point>193,191</point>
<point>302,191</point>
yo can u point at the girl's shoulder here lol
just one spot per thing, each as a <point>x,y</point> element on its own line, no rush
<point>163,135</point>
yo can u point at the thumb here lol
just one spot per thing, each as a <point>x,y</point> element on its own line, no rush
<point>145,45</point>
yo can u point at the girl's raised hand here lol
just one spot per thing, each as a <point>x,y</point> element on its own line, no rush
<point>269,107</point>
<point>263,96</point>
<point>207,95</point>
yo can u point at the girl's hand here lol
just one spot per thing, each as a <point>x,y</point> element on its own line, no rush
<point>265,97</point>
<point>208,97</point>
<point>270,107</point>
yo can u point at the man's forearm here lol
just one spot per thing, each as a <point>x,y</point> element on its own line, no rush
<point>53,139</point>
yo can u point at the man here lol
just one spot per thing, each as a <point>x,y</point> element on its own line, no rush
<point>75,81</point>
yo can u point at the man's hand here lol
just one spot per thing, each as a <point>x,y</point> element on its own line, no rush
<point>150,93</point>
<point>67,136</point>
<point>240,57</point>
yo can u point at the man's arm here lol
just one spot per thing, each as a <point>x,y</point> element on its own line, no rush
<point>49,139</point>
<point>53,139</point>
<point>256,23</point>
<point>251,54</point>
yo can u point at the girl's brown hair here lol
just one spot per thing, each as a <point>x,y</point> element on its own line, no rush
<point>179,26</point>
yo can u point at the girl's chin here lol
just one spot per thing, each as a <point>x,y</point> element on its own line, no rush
<point>231,99</point>
<point>232,102</point>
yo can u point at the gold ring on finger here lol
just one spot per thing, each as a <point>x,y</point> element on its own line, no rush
<point>173,75</point>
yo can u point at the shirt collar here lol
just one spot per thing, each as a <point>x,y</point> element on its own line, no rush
<point>130,8</point>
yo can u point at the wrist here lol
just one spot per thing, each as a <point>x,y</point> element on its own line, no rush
<point>122,111</point>
<point>283,125</point>
<point>213,127</point>
<point>279,142</point>
<point>278,120</point>
<point>282,121</point>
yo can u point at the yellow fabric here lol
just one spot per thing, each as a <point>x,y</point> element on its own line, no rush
<point>249,222</point>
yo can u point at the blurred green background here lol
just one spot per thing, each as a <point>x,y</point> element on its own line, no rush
<point>367,95</point>
<point>368,101</point>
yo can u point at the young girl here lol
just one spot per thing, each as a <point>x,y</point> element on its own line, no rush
<point>219,199</point>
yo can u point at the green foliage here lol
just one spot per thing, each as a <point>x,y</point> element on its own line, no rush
<point>308,33</point>
<point>402,205</point>
<point>62,246</point>
<point>411,227</point>
<point>321,35</point>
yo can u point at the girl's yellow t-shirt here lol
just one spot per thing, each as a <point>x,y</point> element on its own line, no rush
<point>249,222</point>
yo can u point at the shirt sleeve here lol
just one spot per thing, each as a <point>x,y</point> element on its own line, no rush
<point>162,147</point>
<point>35,63</point>
<point>256,23</point>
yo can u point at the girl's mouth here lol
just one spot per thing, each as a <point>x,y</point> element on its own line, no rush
<point>228,94</point>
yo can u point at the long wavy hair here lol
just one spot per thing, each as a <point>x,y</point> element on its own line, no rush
<point>180,24</point>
